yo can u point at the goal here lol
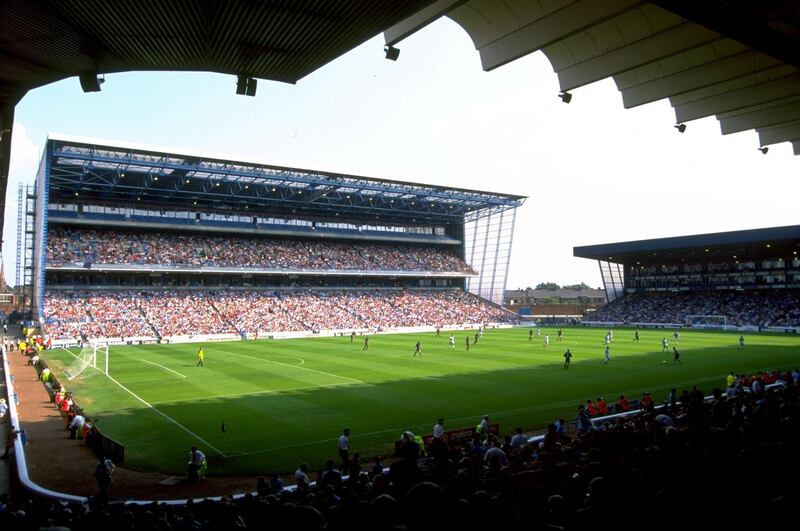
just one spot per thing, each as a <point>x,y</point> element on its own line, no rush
<point>93,355</point>
<point>699,321</point>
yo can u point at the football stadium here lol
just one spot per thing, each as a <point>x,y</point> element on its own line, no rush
<point>209,341</point>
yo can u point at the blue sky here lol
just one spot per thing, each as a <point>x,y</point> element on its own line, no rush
<point>594,172</point>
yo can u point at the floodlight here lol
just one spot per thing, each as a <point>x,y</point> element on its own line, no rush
<point>392,53</point>
<point>565,96</point>
<point>246,86</point>
<point>763,149</point>
<point>90,81</point>
<point>680,127</point>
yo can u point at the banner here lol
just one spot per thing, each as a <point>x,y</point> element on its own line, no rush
<point>462,435</point>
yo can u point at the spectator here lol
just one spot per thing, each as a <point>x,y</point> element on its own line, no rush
<point>301,478</point>
<point>103,475</point>
<point>196,467</point>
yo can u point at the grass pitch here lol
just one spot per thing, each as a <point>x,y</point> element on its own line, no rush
<point>284,402</point>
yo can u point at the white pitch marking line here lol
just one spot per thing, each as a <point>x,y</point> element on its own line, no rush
<point>297,367</point>
<point>165,368</point>
<point>178,424</point>
<point>145,402</point>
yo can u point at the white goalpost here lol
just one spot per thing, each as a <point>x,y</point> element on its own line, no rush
<point>93,354</point>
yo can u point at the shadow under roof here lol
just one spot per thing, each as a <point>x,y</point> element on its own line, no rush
<point>89,171</point>
<point>752,242</point>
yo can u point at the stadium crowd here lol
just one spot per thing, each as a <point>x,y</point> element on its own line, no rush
<point>75,314</point>
<point>693,462</point>
<point>70,315</point>
<point>741,308</point>
<point>87,246</point>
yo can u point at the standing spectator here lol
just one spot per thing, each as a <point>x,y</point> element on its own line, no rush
<point>495,458</point>
<point>76,426</point>
<point>377,468</point>
<point>519,439</point>
<point>86,432</point>
<point>102,474</point>
<point>301,478</point>
<point>672,399</point>
<point>647,402</point>
<point>483,426</point>
<point>275,484</point>
<point>195,468</point>
<point>583,419</point>
<point>354,467</point>
<point>438,429</point>
<point>344,449</point>
<point>561,428</point>
<point>331,476</point>
<point>438,448</point>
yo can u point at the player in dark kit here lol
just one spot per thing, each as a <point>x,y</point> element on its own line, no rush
<point>530,334</point>
<point>467,343</point>
<point>567,358</point>
<point>676,356</point>
<point>636,336</point>
<point>558,335</point>
<point>366,343</point>
<point>352,336</point>
<point>418,349</point>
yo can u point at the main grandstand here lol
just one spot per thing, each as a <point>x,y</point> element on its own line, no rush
<point>137,245</point>
<point>746,279</point>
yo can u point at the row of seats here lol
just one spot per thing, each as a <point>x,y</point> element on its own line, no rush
<point>740,308</point>
<point>88,246</point>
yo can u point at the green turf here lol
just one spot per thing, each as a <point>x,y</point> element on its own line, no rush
<point>284,402</point>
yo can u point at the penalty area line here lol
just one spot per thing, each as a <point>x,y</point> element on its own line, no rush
<point>355,380</point>
<point>172,420</point>
<point>165,368</point>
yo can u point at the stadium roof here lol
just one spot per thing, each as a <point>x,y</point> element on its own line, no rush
<point>737,60</point>
<point>89,171</point>
<point>772,242</point>
<point>282,40</point>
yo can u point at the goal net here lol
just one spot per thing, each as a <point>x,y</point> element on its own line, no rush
<point>94,355</point>
<point>699,321</point>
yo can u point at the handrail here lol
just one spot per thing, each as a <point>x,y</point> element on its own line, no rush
<point>19,449</point>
